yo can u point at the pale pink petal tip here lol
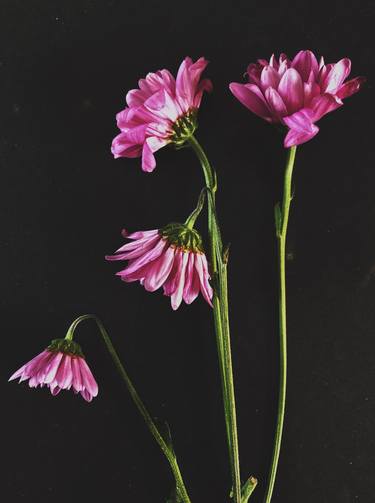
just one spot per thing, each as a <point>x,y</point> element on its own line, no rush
<point>57,371</point>
<point>279,89</point>
<point>147,123</point>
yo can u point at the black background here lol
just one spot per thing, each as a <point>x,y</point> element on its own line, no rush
<point>65,69</point>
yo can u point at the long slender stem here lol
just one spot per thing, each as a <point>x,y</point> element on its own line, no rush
<point>221,319</point>
<point>167,450</point>
<point>281,222</point>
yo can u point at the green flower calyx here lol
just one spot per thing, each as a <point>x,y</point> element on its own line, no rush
<point>184,128</point>
<point>181,236</point>
<point>66,346</point>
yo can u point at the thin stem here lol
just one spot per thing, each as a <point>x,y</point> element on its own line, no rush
<point>221,319</point>
<point>281,222</point>
<point>167,450</point>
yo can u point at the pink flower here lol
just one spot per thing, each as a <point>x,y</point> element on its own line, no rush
<point>172,257</point>
<point>296,93</point>
<point>60,366</point>
<point>161,111</point>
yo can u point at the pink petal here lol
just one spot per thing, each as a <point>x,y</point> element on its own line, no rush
<point>275,102</point>
<point>202,270</point>
<point>305,62</point>
<point>160,270</point>
<point>149,256</point>
<point>176,297</point>
<point>350,87</point>
<point>291,90</point>
<point>250,96</point>
<point>77,379</point>
<point>144,245</point>
<point>52,368</point>
<point>192,285</point>
<point>322,105</point>
<point>269,78</point>
<point>170,285</point>
<point>302,128</point>
<point>148,159</point>
<point>87,378</point>
<point>337,75</point>
<point>64,374</point>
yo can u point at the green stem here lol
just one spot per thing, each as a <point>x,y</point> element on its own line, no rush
<point>167,450</point>
<point>221,319</point>
<point>281,222</point>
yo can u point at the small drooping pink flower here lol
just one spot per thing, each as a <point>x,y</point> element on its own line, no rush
<point>172,257</point>
<point>163,110</point>
<point>296,93</point>
<point>60,366</point>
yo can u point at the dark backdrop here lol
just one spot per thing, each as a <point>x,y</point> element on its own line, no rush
<point>65,69</point>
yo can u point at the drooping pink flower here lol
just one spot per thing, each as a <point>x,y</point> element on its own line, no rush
<point>296,93</point>
<point>60,366</point>
<point>172,257</point>
<point>161,111</point>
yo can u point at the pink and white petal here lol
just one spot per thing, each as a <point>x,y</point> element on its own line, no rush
<point>148,159</point>
<point>202,270</point>
<point>176,297</point>
<point>170,284</point>
<point>350,87</point>
<point>311,90</point>
<point>142,234</point>
<point>87,378</point>
<point>160,270</point>
<point>275,103</point>
<point>55,390</point>
<point>305,63</point>
<point>136,97</point>
<point>322,105</point>
<point>149,256</point>
<point>269,78</point>
<point>122,148</point>
<point>192,285</point>
<point>77,378</point>
<point>37,366</point>
<point>64,373</point>
<point>302,129</point>
<point>291,90</point>
<point>248,95</point>
<point>337,75</point>
<point>204,85</point>
<point>23,371</point>
<point>52,368</point>
<point>139,243</point>
<point>86,395</point>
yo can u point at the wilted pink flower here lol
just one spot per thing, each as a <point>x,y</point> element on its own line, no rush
<point>161,111</point>
<point>60,366</point>
<point>172,257</point>
<point>296,93</point>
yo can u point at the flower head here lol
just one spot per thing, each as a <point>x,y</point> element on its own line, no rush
<point>296,93</point>
<point>171,257</point>
<point>161,111</point>
<point>60,366</point>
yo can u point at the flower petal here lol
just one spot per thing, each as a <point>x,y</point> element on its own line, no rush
<point>250,96</point>
<point>350,87</point>
<point>291,90</point>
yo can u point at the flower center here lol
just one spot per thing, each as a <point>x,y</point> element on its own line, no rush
<point>182,237</point>
<point>184,127</point>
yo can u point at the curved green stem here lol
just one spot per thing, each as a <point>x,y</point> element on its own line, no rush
<point>221,319</point>
<point>281,223</point>
<point>167,450</point>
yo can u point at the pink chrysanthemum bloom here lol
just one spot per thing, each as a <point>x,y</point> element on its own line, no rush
<point>172,257</point>
<point>296,93</point>
<point>60,366</point>
<point>163,110</point>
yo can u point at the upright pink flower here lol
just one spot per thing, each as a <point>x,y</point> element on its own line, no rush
<point>296,93</point>
<point>163,110</point>
<point>172,257</point>
<point>60,366</point>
